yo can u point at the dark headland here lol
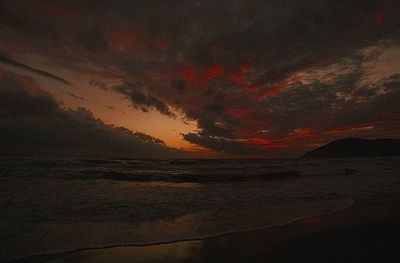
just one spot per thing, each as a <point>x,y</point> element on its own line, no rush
<point>354,147</point>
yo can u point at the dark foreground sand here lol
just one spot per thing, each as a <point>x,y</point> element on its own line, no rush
<point>368,231</point>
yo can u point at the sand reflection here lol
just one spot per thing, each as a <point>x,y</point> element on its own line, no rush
<point>175,252</point>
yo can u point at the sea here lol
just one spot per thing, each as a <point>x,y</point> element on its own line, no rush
<point>53,205</point>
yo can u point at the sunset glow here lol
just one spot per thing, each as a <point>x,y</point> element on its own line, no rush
<point>181,81</point>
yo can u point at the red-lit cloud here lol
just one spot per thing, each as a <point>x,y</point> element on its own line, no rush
<point>266,76</point>
<point>238,112</point>
<point>213,72</point>
<point>271,91</point>
<point>190,73</point>
<point>379,14</point>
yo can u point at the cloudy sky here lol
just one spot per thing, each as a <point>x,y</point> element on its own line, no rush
<point>226,78</point>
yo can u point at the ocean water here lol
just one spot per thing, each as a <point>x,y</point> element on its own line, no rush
<point>55,205</point>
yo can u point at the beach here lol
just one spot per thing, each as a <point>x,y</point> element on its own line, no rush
<point>367,231</point>
<point>78,210</point>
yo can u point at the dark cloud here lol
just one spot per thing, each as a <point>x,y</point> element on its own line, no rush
<point>93,40</point>
<point>18,98</point>
<point>11,62</point>
<point>393,82</point>
<point>32,122</point>
<point>252,74</point>
<point>75,96</point>
<point>142,100</point>
<point>179,86</point>
<point>99,84</point>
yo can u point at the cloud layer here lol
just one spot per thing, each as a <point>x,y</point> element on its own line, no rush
<point>32,122</point>
<point>258,77</point>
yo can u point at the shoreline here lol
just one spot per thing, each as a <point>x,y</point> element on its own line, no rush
<point>266,243</point>
<point>196,239</point>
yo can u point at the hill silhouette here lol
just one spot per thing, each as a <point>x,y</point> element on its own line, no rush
<point>355,147</point>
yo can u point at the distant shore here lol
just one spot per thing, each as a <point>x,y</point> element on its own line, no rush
<point>367,231</point>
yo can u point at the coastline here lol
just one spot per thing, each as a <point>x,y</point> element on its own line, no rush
<point>367,230</point>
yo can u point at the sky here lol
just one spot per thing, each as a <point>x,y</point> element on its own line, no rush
<point>195,78</point>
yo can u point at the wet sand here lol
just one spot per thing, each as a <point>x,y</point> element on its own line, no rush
<point>367,231</point>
